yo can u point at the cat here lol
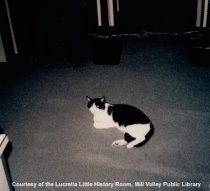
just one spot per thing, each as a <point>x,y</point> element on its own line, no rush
<point>135,125</point>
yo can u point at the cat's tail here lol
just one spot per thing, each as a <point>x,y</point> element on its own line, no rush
<point>148,136</point>
<point>151,132</point>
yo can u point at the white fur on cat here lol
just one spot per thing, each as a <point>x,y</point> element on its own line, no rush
<point>104,121</point>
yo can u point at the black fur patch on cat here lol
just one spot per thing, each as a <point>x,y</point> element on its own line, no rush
<point>110,109</point>
<point>128,115</point>
<point>98,103</point>
<point>90,103</point>
<point>129,138</point>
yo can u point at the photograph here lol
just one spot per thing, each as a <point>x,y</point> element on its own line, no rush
<point>100,95</point>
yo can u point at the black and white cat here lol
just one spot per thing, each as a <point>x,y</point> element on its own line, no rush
<point>135,125</point>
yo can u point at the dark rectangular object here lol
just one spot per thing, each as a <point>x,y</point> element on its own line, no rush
<point>106,50</point>
<point>200,56</point>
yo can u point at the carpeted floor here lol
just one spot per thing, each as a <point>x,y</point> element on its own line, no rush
<point>45,115</point>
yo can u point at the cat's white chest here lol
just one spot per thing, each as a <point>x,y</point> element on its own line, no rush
<point>102,120</point>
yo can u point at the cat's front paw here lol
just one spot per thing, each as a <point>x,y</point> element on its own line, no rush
<point>97,125</point>
<point>119,143</point>
<point>101,126</point>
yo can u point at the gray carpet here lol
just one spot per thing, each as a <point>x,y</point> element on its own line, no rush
<point>44,113</point>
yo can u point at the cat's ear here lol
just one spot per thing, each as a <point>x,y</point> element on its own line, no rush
<point>102,99</point>
<point>88,99</point>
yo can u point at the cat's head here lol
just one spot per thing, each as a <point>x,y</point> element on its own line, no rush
<point>96,104</point>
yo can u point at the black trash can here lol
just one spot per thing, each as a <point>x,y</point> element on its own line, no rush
<point>200,49</point>
<point>106,50</point>
<point>200,55</point>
